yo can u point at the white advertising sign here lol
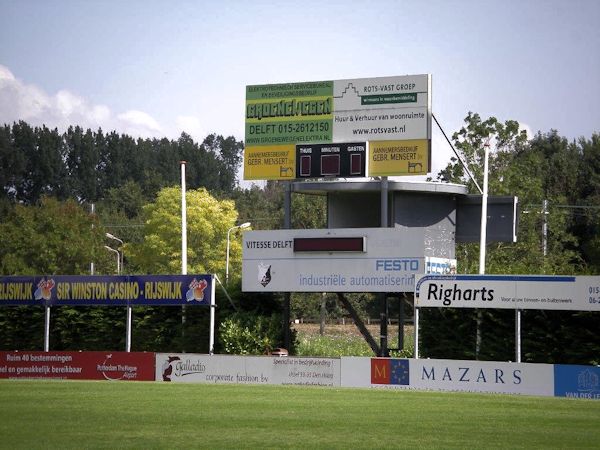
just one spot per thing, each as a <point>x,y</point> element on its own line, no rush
<point>449,375</point>
<point>384,108</point>
<point>230,369</point>
<point>273,262</point>
<point>482,376</point>
<point>581,293</point>
<point>442,266</point>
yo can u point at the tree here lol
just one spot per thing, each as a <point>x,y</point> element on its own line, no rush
<point>587,225</point>
<point>208,220</point>
<point>54,238</point>
<point>309,211</point>
<point>12,165</point>
<point>262,206</point>
<point>228,152</point>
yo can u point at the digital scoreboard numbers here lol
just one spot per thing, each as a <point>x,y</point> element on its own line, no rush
<point>344,160</point>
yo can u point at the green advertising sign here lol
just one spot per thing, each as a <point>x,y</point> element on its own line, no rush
<point>289,113</point>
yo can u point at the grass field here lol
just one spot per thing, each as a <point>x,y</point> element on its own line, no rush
<point>80,414</point>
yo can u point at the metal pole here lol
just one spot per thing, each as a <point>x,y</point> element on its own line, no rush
<point>545,228</point>
<point>110,236</point>
<point>383,325</point>
<point>47,330</point>
<point>227,259</point>
<point>401,320</point>
<point>183,247</point>
<point>241,227</point>
<point>128,331</point>
<point>518,335</point>
<point>416,331</point>
<point>110,249</point>
<point>484,205</point>
<point>384,202</point>
<point>482,239</point>
<point>211,338</point>
<point>323,311</point>
<point>287,297</point>
<point>92,263</point>
<point>183,222</point>
<point>120,269</point>
<point>287,206</point>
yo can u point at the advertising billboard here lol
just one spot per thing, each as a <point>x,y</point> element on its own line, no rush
<point>112,366</point>
<point>56,290</point>
<point>573,293</point>
<point>229,369</point>
<point>449,375</point>
<point>280,116</point>
<point>575,381</point>
<point>330,260</point>
<point>399,158</point>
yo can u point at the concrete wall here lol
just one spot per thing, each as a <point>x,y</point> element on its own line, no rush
<point>423,217</point>
<point>431,218</point>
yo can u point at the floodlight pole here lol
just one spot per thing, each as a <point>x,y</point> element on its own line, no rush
<point>211,337</point>
<point>484,207</point>
<point>92,263</point>
<point>183,247</point>
<point>482,236</point>
<point>183,222</point>
<point>242,226</point>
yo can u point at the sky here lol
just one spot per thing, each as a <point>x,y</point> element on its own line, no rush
<point>157,68</point>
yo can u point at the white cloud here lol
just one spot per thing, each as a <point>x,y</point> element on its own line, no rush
<point>138,123</point>
<point>192,126</point>
<point>20,101</point>
<point>5,74</point>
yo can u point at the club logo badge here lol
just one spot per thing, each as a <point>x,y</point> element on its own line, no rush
<point>264,274</point>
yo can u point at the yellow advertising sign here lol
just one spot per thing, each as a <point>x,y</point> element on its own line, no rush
<point>391,158</point>
<point>272,162</point>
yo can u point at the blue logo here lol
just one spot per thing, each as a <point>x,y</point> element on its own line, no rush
<point>399,373</point>
<point>577,381</point>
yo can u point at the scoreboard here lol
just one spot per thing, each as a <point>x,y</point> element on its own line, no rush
<point>344,160</point>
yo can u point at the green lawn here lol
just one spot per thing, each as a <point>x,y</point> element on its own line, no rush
<point>80,414</point>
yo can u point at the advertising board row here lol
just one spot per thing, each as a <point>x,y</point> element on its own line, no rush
<point>286,122</point>
<point>360,372</point>
<point>57,290</point>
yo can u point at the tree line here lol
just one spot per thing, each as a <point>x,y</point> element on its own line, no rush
<point>85,165</point>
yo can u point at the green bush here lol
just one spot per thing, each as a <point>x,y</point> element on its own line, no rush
<point>245,333</point>
<point>345,345</point>
<point>332,346</point>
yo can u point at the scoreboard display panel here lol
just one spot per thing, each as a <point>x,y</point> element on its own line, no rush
<point>344,160</point>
